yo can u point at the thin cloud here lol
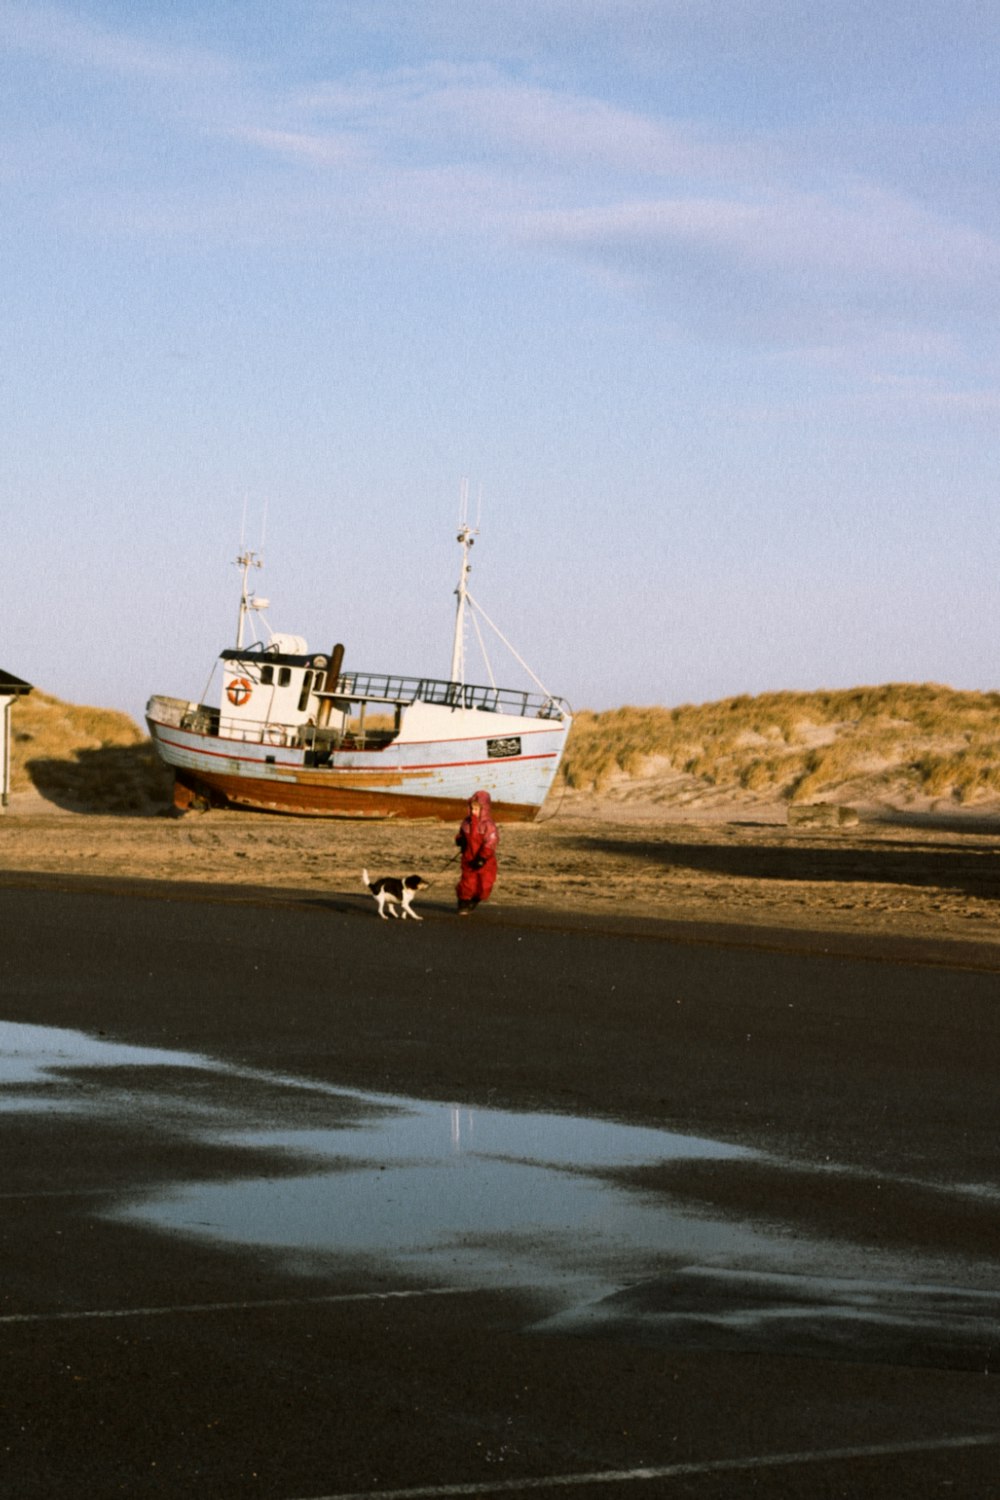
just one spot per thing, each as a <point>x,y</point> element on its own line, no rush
<point>301,146</point>
<point>863,277</point>
<point>481,109</point>
<point>63,38</point>
<point>728,233</point>
<point>770,40</point>
<point>869,234</point>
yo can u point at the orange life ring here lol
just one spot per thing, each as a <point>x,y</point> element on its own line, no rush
<point>239,691</point>
<point>274,734</point>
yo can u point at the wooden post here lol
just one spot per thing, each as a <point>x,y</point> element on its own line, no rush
<point>6,702</point>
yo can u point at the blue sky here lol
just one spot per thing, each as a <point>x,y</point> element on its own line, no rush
<point>700,298</point>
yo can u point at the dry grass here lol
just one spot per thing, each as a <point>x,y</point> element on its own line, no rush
<point>918,738</point>
<point>77,756</point>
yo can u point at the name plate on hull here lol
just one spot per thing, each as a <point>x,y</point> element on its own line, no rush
<point>500,749</point>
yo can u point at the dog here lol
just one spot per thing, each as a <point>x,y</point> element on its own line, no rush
<point>396,893</point>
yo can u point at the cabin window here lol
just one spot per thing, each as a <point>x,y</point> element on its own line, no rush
<point>284,676</point>
<point>267,676</point>
<point>369,728</point>
<point>307,678</point>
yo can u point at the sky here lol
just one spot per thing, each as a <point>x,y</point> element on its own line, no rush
<point>696,301</point>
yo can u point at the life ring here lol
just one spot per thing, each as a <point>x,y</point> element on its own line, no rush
<point>239,690</point>
<point>274,734</point>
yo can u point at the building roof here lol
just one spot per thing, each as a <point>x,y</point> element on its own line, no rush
<point>11,686</point>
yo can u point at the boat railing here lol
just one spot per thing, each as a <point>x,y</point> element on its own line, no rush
<point>274,735</point>
<point>358,688</point>
<point>322,740</point>
<point>386,688</point>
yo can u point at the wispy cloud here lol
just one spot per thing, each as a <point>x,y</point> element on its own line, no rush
<point>730,232</point>
<point>855,269</point>
<point>768,41</point>
<point>322,150</point>
<point>864,232</point>
<point>64,38</point>
<point>462,110</point>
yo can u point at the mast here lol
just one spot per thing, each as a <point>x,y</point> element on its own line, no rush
<point>466,538</point>
<point>246,561</point>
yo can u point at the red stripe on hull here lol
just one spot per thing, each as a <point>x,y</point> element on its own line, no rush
<point>374,770</point>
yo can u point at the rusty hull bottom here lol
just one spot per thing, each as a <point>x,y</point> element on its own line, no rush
<point>328,802</point>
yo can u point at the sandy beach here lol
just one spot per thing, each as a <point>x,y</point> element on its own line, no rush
<point>922,874</point>
<point>635,828</point>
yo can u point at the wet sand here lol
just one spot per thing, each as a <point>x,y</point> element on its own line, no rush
<point>927,877</point>
<point>827,999</point>
<point>161,1364</point>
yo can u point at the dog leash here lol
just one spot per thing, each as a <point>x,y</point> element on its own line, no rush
<point>449,861</point>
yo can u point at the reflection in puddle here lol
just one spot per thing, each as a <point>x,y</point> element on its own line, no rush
<point>488,1197</point>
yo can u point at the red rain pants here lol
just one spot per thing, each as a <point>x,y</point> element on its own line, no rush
<point>475,885</point>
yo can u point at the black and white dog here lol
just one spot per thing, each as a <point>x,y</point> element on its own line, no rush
<point>396,893</point>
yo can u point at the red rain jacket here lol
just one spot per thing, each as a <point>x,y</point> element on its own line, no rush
<point>478,837</point>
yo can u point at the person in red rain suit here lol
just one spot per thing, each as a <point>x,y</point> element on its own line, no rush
<point>477,838</point>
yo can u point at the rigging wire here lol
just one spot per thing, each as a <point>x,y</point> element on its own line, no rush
<point>497,631</point>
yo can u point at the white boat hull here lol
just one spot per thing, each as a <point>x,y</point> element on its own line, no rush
<point>515,759</point>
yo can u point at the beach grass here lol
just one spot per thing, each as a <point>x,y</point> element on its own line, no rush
<point>923,738</point>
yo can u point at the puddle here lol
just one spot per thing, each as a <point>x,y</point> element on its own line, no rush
<point>36,1054</point>
<point>38,1065</point>
<point>483,1197</point>
<point>491,1198</point>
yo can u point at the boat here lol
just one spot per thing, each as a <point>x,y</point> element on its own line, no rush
<point>294,732</point>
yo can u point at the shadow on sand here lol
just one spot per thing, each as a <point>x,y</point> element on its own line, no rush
<point>973,871</point>
<point>938,822</point>
<point>110,779</point>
